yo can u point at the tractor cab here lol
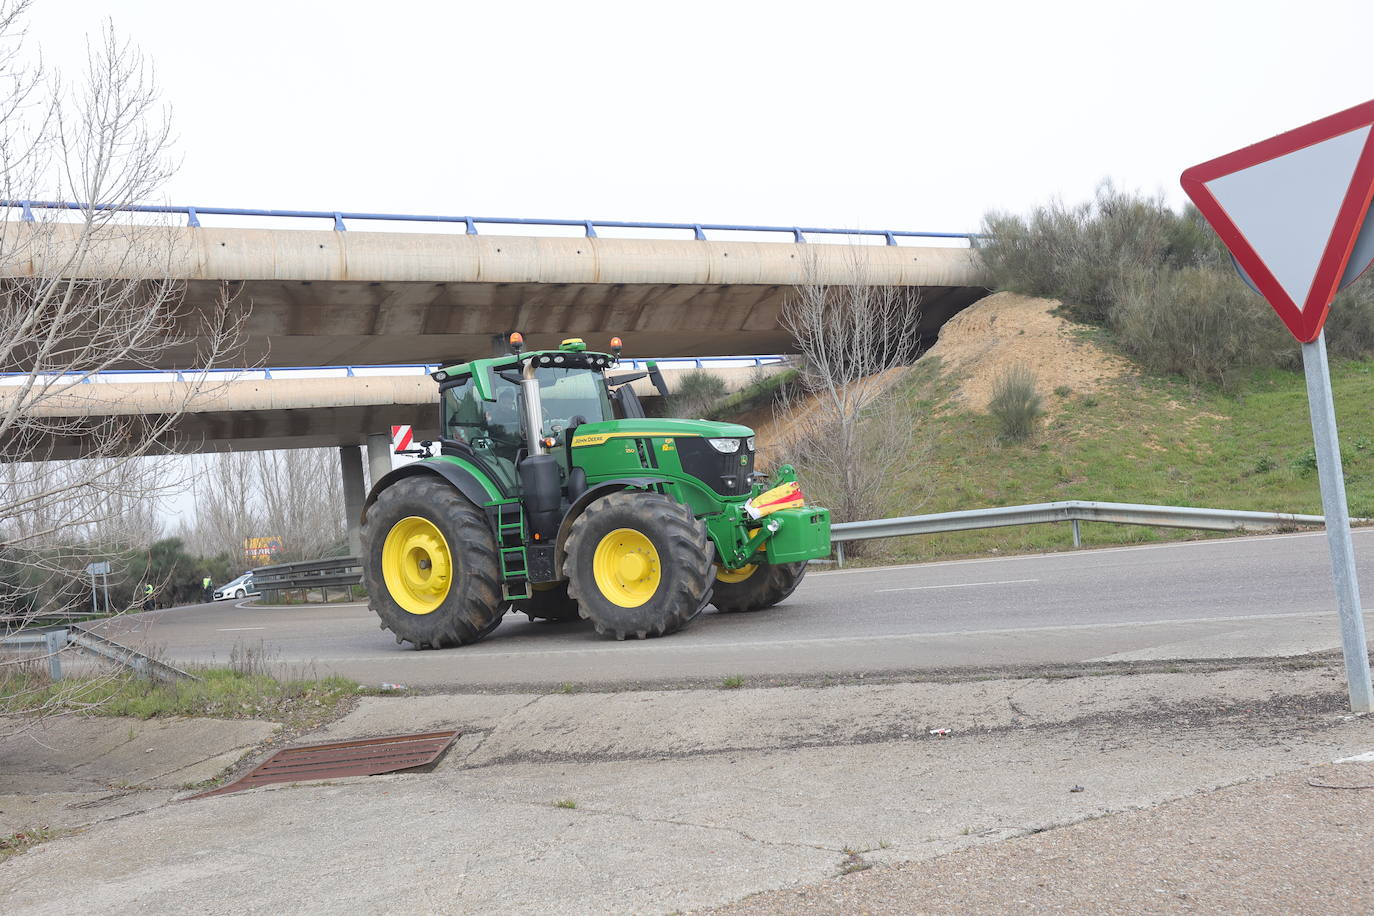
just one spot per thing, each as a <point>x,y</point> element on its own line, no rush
<point>508,409</point>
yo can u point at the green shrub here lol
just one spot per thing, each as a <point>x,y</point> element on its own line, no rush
<point>1202,324</point>
<point>1162,282</point>
<point>1088,255</point>
<point>1015,403</point>
<point>1350,325</point>
<point>695,393</point>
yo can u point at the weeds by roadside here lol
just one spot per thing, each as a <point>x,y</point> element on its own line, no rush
<point>854,861</point>
<point>221,693</point>
<point>22,841</point>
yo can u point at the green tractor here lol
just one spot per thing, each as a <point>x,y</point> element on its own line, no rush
<point>552,494</point>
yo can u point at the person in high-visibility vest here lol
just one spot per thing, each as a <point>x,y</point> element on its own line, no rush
<point>209,592</point>
<point>148,596</point>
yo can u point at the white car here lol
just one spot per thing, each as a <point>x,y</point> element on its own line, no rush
<point>241,587</point>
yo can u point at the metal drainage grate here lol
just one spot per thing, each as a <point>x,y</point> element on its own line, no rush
<point>335,760</point>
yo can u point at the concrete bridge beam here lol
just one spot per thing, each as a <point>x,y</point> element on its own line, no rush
<point>341,298</point>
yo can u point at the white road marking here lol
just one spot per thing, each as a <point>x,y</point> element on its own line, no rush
<point>235,629</point>
<point>919,588</point>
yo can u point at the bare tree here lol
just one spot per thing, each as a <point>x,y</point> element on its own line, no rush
<point>83,291</point>
<point>296,495</point>
<point>841,425</point>
<point>226,510</point>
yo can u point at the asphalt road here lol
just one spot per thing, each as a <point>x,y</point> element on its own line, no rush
<point>1206,599</point>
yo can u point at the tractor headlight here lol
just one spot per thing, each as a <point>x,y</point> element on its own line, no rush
<point>749,443</point>
<point>725,446</point>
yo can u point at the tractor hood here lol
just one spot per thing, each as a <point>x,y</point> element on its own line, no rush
<point>596,433</point>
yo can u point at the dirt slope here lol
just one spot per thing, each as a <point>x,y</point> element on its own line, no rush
<point>980,342</point>
<point>975,346</point>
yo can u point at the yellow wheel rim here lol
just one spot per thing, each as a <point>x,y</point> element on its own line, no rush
<point>626,567</point>
<point>735,575</point>
<point>417,565</point>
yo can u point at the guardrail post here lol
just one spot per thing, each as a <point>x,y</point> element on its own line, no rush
<point>1077,538</point>
<point>55,641</point>
<point>839,554</point>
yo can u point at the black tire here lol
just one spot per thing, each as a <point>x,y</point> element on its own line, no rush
<point>240,594</point>
<point>766,587</point>
<point>552,604</point>
<point>472,606</point>
<point>685,568</point>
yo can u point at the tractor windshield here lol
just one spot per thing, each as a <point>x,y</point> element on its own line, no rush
<point>571,394</point>
<point>493,429</point>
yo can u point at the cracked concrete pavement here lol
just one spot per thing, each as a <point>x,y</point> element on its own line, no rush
<point>70,771</point>
<point>695,798</point>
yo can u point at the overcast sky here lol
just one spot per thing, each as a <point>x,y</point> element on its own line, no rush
<point>914,115</point>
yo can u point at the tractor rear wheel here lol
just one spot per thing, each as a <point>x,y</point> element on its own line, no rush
<point>548,602</point>
<point>639,564</point>
<point>430,565</point>
<point>753,588</point>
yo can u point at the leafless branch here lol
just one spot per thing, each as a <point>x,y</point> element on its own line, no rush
<point>842,430</point>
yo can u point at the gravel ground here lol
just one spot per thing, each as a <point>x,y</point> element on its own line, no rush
<point>1298,843</point>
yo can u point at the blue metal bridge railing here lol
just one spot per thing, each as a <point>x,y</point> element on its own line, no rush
<point>588,226</point>
<point>280,373</point>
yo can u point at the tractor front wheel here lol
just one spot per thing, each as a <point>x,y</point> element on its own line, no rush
<point>753,588</point>
<point>639,564</point>
<point>429,563</point>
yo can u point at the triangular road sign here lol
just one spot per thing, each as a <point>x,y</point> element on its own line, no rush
<point>1291,210</point>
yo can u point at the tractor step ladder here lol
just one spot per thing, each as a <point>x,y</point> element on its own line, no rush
<point>515,572</point>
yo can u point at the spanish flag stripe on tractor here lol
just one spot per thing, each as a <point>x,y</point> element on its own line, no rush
<point>784,496</point>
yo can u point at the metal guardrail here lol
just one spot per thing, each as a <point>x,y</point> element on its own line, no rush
<point>307,575</point>
<point>1072,511</point>
<point>53,642</point>
<point>281,372</point>
<point>130,658</point>
<point>588,226</point>
<point>328,573</point>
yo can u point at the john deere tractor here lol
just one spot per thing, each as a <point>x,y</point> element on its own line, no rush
<point>550,493</point>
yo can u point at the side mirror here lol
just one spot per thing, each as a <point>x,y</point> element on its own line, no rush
<point>657,378</point>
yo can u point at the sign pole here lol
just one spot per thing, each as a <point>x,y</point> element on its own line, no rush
<point>1337,514</point>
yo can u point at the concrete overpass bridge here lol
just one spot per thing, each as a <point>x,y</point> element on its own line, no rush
<point>338,297</point>
<point>341,297</point>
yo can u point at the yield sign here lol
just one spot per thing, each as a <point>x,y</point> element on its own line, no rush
<point>1291,209</point>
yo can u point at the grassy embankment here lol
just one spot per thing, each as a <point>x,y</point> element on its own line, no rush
<point>1141,439</point>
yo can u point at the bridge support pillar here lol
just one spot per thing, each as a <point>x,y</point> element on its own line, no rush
<point>378,456</point>
<point>351,463</point>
